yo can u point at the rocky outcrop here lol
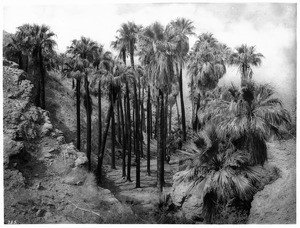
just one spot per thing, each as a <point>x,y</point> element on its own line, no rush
<point>188,198</point>
<point>276,203</point>
<point>45,179</point>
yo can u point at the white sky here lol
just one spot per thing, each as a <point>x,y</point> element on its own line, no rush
<point>270,27</point>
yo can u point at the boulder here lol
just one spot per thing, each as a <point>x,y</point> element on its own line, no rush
<point>40,213</point>
<point>81,159</point>
<point>11,147</point>
<point>61,139</point>
<point>49,149</point>
<point>10,64</point>
<point>77,176</point>
<point>46,129</point>
<point>13,179</point>
<point>187,196</point>
<point>72,156</point>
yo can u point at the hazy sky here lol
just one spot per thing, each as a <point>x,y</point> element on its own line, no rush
<point>270,27</point>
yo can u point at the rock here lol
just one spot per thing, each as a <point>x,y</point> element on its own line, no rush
<point>48,215</point>
<point>187,197</point>
<point>11,147</point>
<point>10,64</point>
<point>61,139</point>
<point>40,187</point>
<point>13,179</point>
<point>81,160</point>
<point>59,132</point>
<point>48,155</point>
<point>40,213</point>
<point>49,149</point>
<point>76,177</point>
<point>105,191</point>
<point>46,129</point>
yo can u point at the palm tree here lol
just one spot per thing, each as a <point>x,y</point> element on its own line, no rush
<point>120,45</point>
<point>206,66</point>
<point>238,123</point>
<point>41,40</point>
<point>85,48</point>
<point>113,77</point>
<point>244,57</point>
<point>128,37</point>
<point>74,68</point>
<point>221,172</point>
<point>157,54</point>
<point>247,118</point>
<point>182,28</point>
<point>128,34</point>
<point>13,49</point>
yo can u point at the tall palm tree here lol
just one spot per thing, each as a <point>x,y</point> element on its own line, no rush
<point>182,28</point>
<point>115,74</point>
<point>74,68</point>
<point>157,52</point>
<point>128,34</point>
<point>128,37</point>
<point>41,40</point>
<point>85,48</point>
<point>120,45</point>
<point>206,66</point>
<point>244,57</point>
<point>13,49</point>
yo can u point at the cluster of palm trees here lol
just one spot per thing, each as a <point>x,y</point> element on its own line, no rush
<point>32,47</point>
<point>235,122</point>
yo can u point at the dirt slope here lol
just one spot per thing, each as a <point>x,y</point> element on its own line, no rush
<point>276,203</point>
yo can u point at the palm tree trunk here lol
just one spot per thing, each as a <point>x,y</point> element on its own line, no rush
<point>99,122</point>
<point>124,56</point>
<point>170,120</point>
<point>140,126</point>
<point>124,138</point>
<point>119,118</point>
<point>20,61</point>
<point>160,152</point>
<point>88,123</point>
<point>151,122</point>
<point>113,138</point>
<point>148,131</point>
<point>131,54</point>
<point>78,81</point>
<point>195,118</point>
<point>143,111</point>
<point>137,140</point>
<point>156,121</point>
<point>182,106</point>
<point>166,117</point>
<point>133,127</point>
<point>128,121</point>
<point>43,72</point>
<point>99,167</point>
<point>164,134</point>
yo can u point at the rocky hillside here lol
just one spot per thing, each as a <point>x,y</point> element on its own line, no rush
<point>45,179</point>
<point>276,203</point>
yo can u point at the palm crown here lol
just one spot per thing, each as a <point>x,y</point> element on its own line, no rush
<point>244,57</point>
